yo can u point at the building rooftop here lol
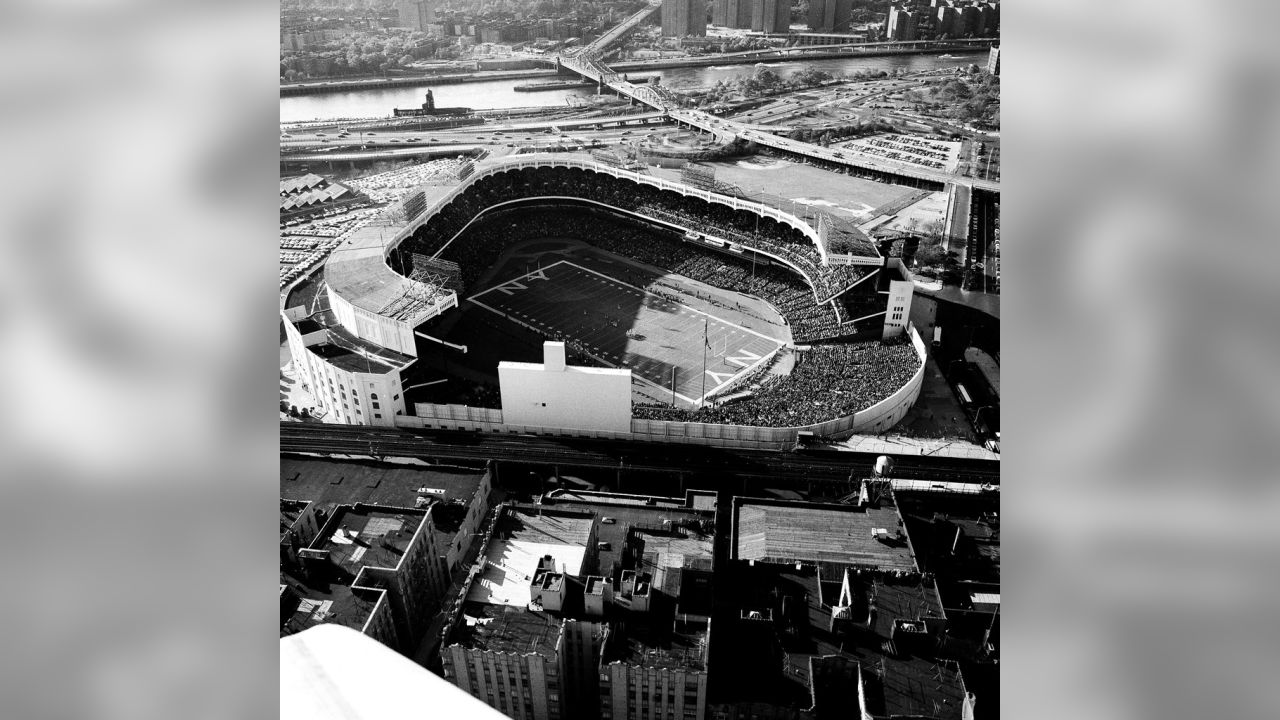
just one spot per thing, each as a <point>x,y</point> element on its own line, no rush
<point>503,628</point>
<point>336,603</point>
<point>346,482</point>
<point>523,536</point>
<point>290,511</point>
<point>656,640</point>
<point>355,538</point>
<point>954,534</point>
<point>794,618</point>
<point>608,498</point>
<point>781,531</point>
<point>686,538</point>
<point>571,369</point>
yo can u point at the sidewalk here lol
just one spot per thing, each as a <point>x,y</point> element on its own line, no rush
<point>897,445</point>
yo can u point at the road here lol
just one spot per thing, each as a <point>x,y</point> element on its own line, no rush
<point>799,467</point>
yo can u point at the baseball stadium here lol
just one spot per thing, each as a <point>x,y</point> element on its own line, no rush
<point>556,294</point>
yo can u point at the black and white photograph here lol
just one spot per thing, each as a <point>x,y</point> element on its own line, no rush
<point>639,359</point>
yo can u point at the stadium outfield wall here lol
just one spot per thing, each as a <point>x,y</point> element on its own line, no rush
<point>875,419</point>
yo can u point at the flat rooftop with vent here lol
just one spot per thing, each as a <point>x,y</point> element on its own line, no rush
<point>351,540</point>
<point>651,575</point>
<point>667,643</point>
<point>327,481</point>
<point>523,537</point>
<point>834,628</point>
<point>619,514</point>
<point>782,531</point>
<point>366,536</point>
<point>290,512</point>
<point>306,606</point>
<point>502,628</point>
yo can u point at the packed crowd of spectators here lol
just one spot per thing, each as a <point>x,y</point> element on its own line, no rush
<point>828,382</point>
<point>712,219</point>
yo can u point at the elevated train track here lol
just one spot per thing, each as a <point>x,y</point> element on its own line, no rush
<point>631,457</point>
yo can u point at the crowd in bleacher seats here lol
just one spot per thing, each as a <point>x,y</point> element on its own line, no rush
<point>713,220</point>
<point>828,381</point>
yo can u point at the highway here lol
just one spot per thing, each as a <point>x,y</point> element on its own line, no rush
<point>464,141</point>
<point>630,457</point>
<point>588,63</point>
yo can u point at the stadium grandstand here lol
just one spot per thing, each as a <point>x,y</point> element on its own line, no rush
<point>388,294</point>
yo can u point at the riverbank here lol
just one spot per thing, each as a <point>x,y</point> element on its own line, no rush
<point>785,56</point>
<point>790,55</point>
<point>333,86</point>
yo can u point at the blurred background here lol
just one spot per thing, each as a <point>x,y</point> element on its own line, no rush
<point>138,181</point>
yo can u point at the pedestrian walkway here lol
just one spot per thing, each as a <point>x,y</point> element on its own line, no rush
<point>898,445</point>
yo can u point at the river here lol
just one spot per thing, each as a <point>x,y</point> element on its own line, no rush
<point>501,93</point>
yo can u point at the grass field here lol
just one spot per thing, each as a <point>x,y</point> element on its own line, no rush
<point>625,326</point>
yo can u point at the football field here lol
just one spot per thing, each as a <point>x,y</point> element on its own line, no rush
<point>620,325</point>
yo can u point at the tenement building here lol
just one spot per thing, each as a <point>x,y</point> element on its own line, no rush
<point>831,617</point>
<point>588,605</point>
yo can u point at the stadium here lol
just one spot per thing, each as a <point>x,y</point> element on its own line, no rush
<point>555,294</point>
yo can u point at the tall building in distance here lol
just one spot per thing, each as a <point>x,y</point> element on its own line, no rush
<point>417,14</point>
<point>830,15</point>
<point>771,16</point>
<point>684,18</point>
<point>731,13</point>
<point>901,23</point>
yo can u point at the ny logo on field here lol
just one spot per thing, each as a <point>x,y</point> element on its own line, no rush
<point>511,287</point>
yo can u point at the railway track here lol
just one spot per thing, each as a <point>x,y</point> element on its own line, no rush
<point>631,457</point>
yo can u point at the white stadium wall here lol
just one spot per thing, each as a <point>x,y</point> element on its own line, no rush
<point>346,397</point>
<point>554,394</point>
<point>386,332</point>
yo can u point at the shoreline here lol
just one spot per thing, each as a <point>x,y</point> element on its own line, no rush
<point>320,87</point>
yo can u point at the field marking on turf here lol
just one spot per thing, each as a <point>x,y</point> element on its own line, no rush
<point>508,288</point>
<point>720,320</point>
<point>635,376</point>
<point>745,371</point>
<point>515,283</point>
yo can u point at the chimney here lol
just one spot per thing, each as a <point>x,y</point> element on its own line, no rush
<point>553,357</point>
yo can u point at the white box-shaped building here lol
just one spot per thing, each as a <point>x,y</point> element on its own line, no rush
<point>553,394</point>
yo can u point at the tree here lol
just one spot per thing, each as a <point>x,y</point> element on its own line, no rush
<point>930,253</point>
